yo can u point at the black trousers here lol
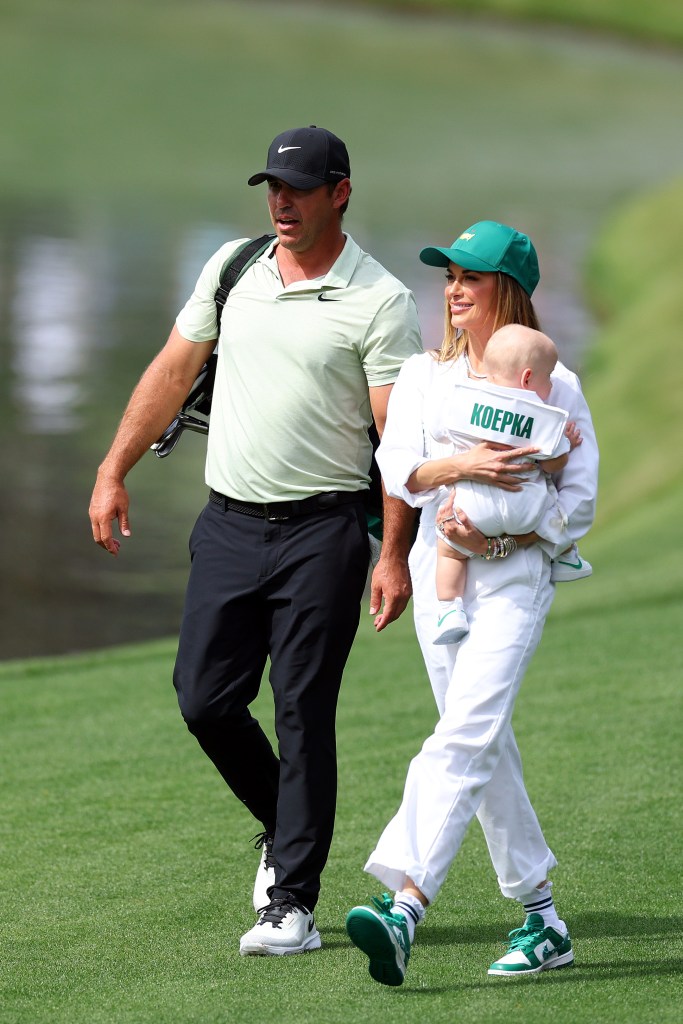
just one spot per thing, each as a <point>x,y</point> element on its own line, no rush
<point>290,590</point>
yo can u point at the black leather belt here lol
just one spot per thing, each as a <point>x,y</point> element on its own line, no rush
<point>279,510</point>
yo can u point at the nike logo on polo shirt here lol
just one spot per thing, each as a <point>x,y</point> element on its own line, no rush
<point>283,149</point>
<point>326,298</point>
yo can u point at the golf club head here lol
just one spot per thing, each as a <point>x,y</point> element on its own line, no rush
<point>170,437</point>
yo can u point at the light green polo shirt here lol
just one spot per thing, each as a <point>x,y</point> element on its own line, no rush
<point>291,410</point>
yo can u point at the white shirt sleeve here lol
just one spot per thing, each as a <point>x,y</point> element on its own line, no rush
<point>404,444</point>
<point>577,483</point>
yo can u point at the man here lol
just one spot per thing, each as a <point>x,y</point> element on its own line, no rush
<point>312,338</point>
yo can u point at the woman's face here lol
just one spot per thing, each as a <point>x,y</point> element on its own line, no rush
<point>471,297</point>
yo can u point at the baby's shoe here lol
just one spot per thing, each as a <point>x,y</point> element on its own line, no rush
<point>569,566</point>
<point>452,625</point>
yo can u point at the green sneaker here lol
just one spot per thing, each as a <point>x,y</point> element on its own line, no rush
<point>383,937</point>
<point>534,948</point>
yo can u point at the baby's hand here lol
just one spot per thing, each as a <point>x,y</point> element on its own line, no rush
<point>573,435</point>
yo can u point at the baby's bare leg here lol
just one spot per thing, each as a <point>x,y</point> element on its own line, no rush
<point>451,572</point>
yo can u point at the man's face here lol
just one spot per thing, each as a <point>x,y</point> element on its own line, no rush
<point>301,218</point>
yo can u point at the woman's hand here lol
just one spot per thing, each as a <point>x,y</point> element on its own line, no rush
<point>486,463</point>
<point>456,526</point>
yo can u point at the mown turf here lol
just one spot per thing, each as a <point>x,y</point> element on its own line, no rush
<point>126,867</point>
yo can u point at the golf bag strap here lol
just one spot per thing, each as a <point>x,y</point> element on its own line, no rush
<point>240,261</point>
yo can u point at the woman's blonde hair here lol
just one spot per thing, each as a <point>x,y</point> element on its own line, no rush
<point>513,306</point>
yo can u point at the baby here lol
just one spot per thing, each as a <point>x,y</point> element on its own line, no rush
<point>509,409</point>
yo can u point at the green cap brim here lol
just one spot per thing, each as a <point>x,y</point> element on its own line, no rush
<point>433,256</point>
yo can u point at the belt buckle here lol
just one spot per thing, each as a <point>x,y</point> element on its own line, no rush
<point>274,517</point>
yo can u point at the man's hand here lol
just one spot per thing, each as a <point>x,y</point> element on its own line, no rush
<point>391,579</point>
<point>391,584</point>
<point>159,394</point>
<point>109,501</point>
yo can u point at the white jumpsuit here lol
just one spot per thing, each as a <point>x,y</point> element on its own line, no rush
<point>470,765</point>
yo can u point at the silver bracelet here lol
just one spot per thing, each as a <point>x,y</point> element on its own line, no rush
<point>499,547</point>
<point>508,545</point>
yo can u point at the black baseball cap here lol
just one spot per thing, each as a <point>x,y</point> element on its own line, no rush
<point>305,158</point>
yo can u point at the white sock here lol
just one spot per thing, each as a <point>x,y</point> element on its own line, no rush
<point>410,908</point>
<point>540,901</point>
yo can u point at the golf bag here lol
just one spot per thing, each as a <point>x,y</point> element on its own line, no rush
<point>198,400</point>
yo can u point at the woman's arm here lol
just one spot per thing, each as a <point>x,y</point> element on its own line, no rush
<point>486,463</point>
<point>577,484</point>
<point>404,441</point>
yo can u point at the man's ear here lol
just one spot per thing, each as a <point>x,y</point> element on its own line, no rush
<point>342,191</point>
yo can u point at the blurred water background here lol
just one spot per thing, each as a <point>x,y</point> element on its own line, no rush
<point>128,133</point>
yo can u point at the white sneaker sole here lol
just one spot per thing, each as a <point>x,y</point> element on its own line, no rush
<point>565,572</point>
<point>310,943</point>
<point>560,961</point>
<point>451,636</point>
<point>566,576</point>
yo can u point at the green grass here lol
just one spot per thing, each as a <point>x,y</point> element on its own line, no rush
<point>660,20</point>
<point>127,867</point>
<point>634,380</point>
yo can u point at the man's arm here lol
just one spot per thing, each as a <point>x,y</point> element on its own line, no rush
<point>161,391</point>
<point>390,579</point>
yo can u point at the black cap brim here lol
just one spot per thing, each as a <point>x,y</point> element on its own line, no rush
<point>297,179</point>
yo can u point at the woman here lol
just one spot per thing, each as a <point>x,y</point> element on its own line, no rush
<point>470,765</point>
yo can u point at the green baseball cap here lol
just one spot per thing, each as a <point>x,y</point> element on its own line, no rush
<point>490,247</point>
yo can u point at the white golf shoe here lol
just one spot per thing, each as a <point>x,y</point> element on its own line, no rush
<point>284,927</point>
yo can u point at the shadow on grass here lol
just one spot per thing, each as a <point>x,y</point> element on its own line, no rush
<point>606,924</point>
<point>592,925</point>
<point>578,973</point>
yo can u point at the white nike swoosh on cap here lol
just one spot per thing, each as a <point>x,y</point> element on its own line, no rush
<point>283,149</point>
